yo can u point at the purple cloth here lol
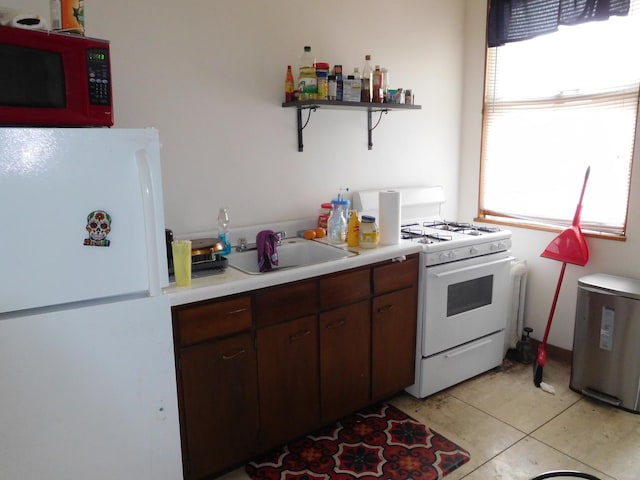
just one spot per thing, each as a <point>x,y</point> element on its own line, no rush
<point>267,245</point>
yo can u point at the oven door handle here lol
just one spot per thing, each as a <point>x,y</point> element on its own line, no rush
<point>473,267</point>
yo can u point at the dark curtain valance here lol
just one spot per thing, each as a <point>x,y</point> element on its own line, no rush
<point>515,20</point>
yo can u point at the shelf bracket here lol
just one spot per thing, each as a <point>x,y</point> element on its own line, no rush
<point>369,123</point>
<point>311,108</point>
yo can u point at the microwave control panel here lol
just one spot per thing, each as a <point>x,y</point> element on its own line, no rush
<point>99,76</point>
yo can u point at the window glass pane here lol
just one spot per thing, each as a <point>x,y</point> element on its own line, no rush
<point>555,105</point>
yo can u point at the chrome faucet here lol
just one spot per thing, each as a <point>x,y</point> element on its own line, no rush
<point>281,236</point>
<point>243,246</point>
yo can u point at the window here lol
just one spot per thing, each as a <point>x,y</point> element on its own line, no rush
<point>554,105</point>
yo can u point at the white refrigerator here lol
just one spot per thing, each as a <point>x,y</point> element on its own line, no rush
<point>87,376</point>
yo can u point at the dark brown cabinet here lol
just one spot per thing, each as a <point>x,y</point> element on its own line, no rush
<point>393,327</point>
<point>393,342</point>
<point>288,380</point>
<point>220,404</point>
<point>345,352</point>
<point>217,385</point>
<point>259,369</point>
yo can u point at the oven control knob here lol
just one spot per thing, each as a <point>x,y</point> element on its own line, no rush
<point>443,257</point>
<point>474,250</point>
<point>453,255</point>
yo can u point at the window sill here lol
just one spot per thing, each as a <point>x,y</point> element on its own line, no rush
<point>590,233</point>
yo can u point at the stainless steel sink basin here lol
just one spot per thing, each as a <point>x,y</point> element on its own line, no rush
<point>294,252</point>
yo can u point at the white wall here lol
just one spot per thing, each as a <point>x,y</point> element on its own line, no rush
<point>210,76</point>
<point>606,256</point>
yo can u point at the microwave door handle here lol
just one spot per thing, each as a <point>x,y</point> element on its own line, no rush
<point>473,267</point>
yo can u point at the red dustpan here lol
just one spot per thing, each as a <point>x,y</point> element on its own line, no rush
<point>568,247</point>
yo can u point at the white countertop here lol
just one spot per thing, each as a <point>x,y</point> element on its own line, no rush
<point>233,281</point>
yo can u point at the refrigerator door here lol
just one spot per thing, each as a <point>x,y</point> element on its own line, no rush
<point>90,393</point>
<point>51,180</point>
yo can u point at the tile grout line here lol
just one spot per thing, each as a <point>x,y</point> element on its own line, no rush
<point>526,435</point>
<point>581,399</point>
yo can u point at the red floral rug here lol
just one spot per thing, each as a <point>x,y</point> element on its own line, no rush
<point>378,442</point>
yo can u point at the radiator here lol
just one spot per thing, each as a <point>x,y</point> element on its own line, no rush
<point>515,320</point>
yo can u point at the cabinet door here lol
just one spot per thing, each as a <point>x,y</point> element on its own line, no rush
<point>220,404</point>
<point>345,367</point>
<point>288,380</point>
<point>394,323</point>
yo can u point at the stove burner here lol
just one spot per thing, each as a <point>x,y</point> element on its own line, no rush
<point>439,236</point>
<point>423,232</point>
<point>411,230</point>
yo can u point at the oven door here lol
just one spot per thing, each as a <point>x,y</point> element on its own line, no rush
<point>465,300</point>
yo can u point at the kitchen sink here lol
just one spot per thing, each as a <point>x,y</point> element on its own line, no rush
<point>292,253</point>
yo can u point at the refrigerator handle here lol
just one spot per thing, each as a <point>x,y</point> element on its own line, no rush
<point>148,205</point>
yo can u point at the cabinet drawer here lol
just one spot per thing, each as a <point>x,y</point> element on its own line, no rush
<point>217,318</point>
<point>395,275</point>
<point>342,288</point>
<point>286,302</point>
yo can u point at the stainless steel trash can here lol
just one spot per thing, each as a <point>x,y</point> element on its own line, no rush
<point>606,340</point>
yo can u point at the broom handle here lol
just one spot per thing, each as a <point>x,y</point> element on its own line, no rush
<point>553,304</point>
<point>576,217</point>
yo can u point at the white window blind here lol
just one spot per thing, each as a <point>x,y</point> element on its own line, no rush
<point>555,105</point>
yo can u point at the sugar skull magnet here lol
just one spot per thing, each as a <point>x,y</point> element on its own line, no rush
<point>98,226</point>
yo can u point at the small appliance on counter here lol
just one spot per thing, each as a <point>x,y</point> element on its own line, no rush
<point>205,255</point>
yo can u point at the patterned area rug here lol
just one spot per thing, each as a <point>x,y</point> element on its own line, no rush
<point>380,442</point>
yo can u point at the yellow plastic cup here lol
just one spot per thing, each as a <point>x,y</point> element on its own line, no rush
<point>182,262</point>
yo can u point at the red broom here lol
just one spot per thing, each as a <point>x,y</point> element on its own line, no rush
<point>568,247</point>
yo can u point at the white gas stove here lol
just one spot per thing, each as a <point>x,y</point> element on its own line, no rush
<point>464,292</point>
<point>446,241</point>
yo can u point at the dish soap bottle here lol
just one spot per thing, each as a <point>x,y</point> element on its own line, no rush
<point>223,230</point>
<point>353,229</point>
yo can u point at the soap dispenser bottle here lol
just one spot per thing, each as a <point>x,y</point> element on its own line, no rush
<point>223,230</point>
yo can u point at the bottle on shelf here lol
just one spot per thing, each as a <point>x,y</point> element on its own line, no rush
<point>337,71</point>
<point>322,74</point>
<point>377,95</point>
<point>288,86</point>
<point>223,230</point>
<point>307,79</point>
<point>367,74</point>
<point>385,84</point>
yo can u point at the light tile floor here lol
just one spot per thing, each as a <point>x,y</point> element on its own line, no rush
<point>514,430</point>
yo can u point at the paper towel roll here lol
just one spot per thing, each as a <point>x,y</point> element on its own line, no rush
<point>389,211</point>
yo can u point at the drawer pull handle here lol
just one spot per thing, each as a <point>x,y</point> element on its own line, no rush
<point>298,336</point>
<point>385,308</point>
<point>239,310</point>
<point>231,356</point>
<point>337,324</point>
